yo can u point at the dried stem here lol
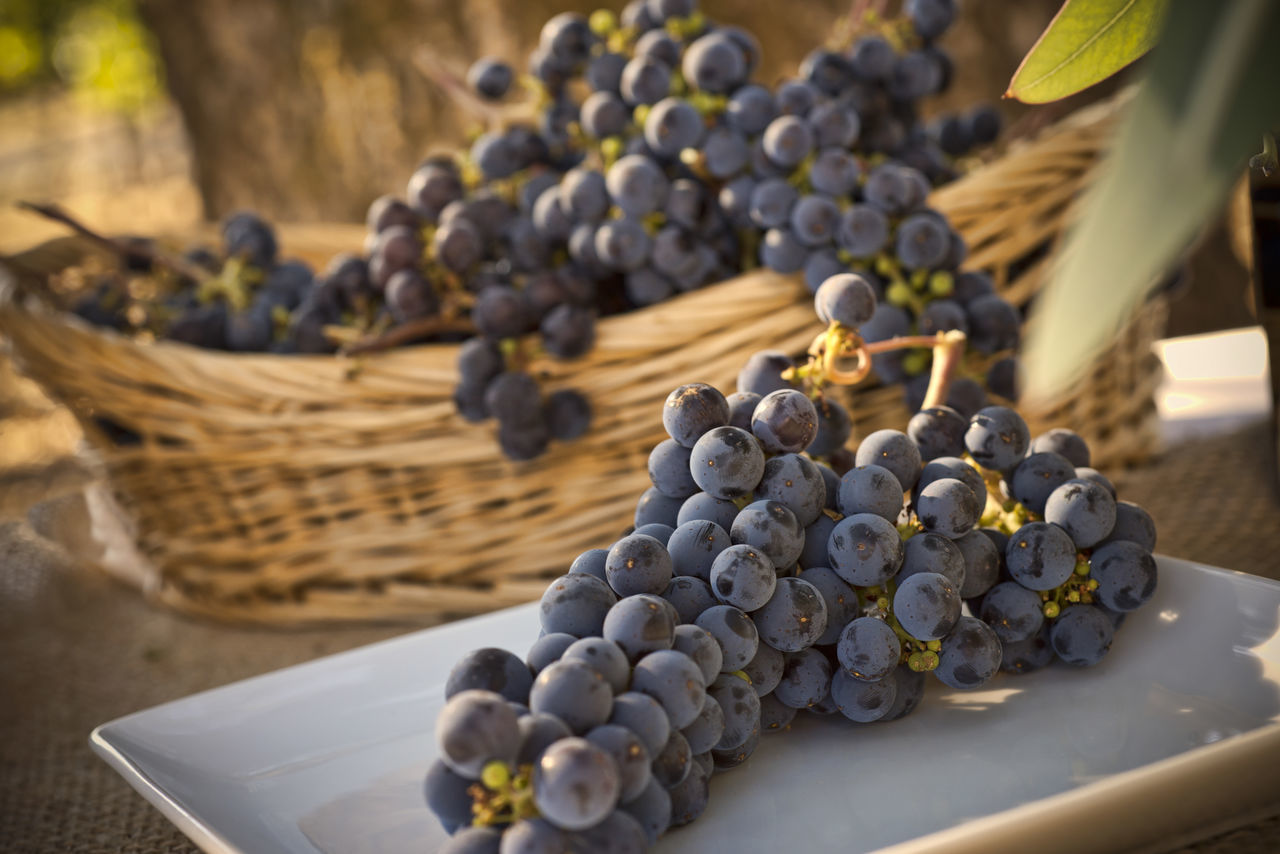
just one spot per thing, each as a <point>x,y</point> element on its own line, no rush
<point>947,353</point>
<point>124,253</point>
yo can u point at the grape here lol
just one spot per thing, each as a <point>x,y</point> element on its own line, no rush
<point>994,324</point>
<point>1012,611</point>
<point>535,836</point>
<point>793,481</point>
<point>474,840</point>
<point>692,410</point>
<point>741,709</point>
<point>575,784</point>
<point>568,331</point>
<point>707,508</point>
<point>771,203</point>
<point>1084,509</point>
<point>675,681</point>
<point>672,764</point>
<point>997,438</point>
<point>822,265</point>
<point>640,624</point>
<point>970,655</point>
<point>865,550</point>
<point>922,242</point>
<point>806,675</point>
<point>1003,378</point>
<point>775,716</point>
<point>636,185</point>
<point>734,200</point>
<point>952,467</point>
<point>619,833</point>
<point>894,451</point>
<point>742,404</point>
<point>629,755</point>
<point>1134,525</point>
<point>750,109</point>
<point>548,649</point>
<point>983,124</point>
<point>861,701</point>
<point>549,217</point>
<point>656,44</point>
<point>604,657</point>
<point>494,156</point>
<point>387,211</point>
<point>871,489</point>
<point>868,649</point>
<point>474,728</point>
<point>888,188</point>
<point>686,203</point>
<point>568,414</point>
<point>835,173</point>
<point>762,374</point>
<point>914,75</point>
<point>1037,476</point>
<point>794,617</point>
<point>927,605</point>
<point>604,114</point>
<point>785,421</point>
<point>781,252</point>
<point>653,506</point>
<point>583,195</point>
<point>645,80</point>
<point>788,140</point>
<point>1126,575</point>
<point>1040,556</point>
<point>672,126</point>
<point>796,97</point>
<point>250,238</point>
<point>772,528</point>
<point>512,396</point>
<point>490,669</point>
<point>814,220</point>
<point>734,631</point>
<point>949,507</point>
<point>714,63</point>
<point>1024,656</point>
<point>908,692</point>
<point>835,126</point>
<point>706,729</point>
<point>847,299</point>
<point>930,552</point>
<point>765,669</point>
<point>938,432</point>
<point>981,563</point>
<point>690,596</point>
<point>644,716</point>
<point>568,38</point>
<point>943,315</point>
<point>500,312</point>
<point>834,428</point>
<point>651,809</point>
<point>447,796</point>
<point>743,576</point>
<point>1065,443</point>
<point>931,18</point>
<point>574,692</point>
<point>727,462</point>
<point>1091,474</point>
<point>576,604</point>
<point>537,733</point>
<point>701,648</point>
<point>689,798</point>
<point>694,546</point>
<point>1081,635</point>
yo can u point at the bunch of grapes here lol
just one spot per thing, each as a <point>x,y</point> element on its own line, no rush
<point>759,582</point>
<point>635,161</point>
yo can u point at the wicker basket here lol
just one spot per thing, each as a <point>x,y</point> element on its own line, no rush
<point>304,489</point>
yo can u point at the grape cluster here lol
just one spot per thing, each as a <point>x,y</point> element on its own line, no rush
<point>635,161</point>
<point>759,581</point>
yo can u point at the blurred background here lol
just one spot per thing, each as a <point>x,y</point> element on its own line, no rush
<point>157,116</point>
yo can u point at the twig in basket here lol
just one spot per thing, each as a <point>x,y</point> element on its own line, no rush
<point>125,253</point>
<point>409,331</point>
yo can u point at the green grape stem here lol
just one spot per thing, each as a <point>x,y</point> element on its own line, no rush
<point>507,802</point>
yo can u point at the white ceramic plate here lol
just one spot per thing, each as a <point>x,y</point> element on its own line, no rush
<point>1174,735</point>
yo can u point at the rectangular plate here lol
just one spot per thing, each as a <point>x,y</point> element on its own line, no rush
<point>1176,734</point>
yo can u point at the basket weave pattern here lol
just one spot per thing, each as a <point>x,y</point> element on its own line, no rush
<point>302,489</point>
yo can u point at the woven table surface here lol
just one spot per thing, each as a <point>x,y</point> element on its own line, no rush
<point>77,650</point>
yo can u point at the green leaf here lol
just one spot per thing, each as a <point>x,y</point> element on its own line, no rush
<point>1086,42</point>
<point>1208,97</point>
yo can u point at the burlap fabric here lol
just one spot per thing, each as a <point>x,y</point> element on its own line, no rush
<point>77,650</point>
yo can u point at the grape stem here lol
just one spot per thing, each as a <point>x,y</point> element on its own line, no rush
<point>150,254</point>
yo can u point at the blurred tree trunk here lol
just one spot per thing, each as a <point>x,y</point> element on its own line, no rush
<point>307,109</point>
